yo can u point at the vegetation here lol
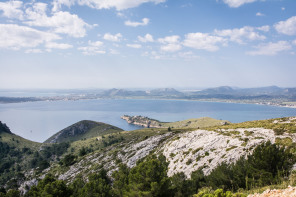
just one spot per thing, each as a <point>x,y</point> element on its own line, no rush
<point>278,125</point>
<point>190,123</point>
<point>84,129</point>
<point>268,164</point>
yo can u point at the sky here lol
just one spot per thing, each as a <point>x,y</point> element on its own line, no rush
<point>68,44</point>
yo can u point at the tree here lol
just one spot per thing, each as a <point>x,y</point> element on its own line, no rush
<point>69,159</point>
<point>120,183</point>
<point>99,185</point>
<point>150,177</point>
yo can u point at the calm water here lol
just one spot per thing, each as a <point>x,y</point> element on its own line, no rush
<point>37,121</point>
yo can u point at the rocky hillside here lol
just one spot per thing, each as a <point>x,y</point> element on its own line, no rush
<point>206,149</point>
<point>82,130</point>
<point>186,150</point>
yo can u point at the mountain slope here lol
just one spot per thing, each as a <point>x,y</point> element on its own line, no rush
<point>6,136</point>
<point>82,130</point>
<point>186,150</point>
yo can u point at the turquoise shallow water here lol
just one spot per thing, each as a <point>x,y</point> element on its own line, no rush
<point>39,120</point>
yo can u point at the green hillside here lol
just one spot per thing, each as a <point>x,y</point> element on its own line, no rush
<point>84,129</point>
<point>189,123</point>
<point>196,123</point>
<point>6,136</point>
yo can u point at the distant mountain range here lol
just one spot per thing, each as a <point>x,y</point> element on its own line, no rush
<point>264,95</point>
<point>211,92</point>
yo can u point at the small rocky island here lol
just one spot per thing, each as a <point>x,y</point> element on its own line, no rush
<point>190,123</point>
<point>142,121</point>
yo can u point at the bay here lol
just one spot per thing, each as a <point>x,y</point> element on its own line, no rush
<point>37,121</point>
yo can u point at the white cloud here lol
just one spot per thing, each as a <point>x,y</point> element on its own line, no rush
<point>96,44</point>
<point>237,3</point>
<point>203,41</point>
<point>259,14</point>
<point>188,55</point>
<point>60,22</point>
<point>287,27</point>
<point>169,39</point>
<point>57,4</point>
<point>106,4</point>
<point>294,42</point>
<point>237,35</point>
<point>264,28</point>
<point>171,47</point>
<point>146,38</point>
<point>171,43</point>
<point>144,22</point>
<point>113,38</point>
<point>271,48</point>
<point>54,45</point>
<point>93,48</point>
<point>11,9</point>
<point>16,37</point>
<point>136,46</point>
<point>283,8</point>
<point>120,14</point>
<point>33,51</point>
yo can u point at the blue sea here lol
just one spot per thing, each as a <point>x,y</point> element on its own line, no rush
<point>37,121</point>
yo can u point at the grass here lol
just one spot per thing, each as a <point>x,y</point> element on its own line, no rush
<point>18,142</point>
<point>279,127</point>
<point>195,123</point>
<point>284,141</point>
<point>233,147</point>
<point>84,130</point>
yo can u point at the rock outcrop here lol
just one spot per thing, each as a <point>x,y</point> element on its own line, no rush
<point>205,149</point>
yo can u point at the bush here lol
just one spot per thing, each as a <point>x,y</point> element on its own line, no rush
<point>68,160</point>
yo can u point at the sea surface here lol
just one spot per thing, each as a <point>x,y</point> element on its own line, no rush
<point>37,121</point>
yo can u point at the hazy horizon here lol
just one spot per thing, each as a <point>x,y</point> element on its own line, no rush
<point>71,44</point>
<point>135,88</point>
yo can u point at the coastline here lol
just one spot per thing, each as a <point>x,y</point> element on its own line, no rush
<point>266,103</point>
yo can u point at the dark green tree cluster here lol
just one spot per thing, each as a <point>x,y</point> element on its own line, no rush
<point>98,185</point>
<point>111,139</point>
<point>268,164</point>
<point>41,159</point>
<point>10,157</point>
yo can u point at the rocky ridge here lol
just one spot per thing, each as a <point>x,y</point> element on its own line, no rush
<point>205,149</point>
<point>129,155</point>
